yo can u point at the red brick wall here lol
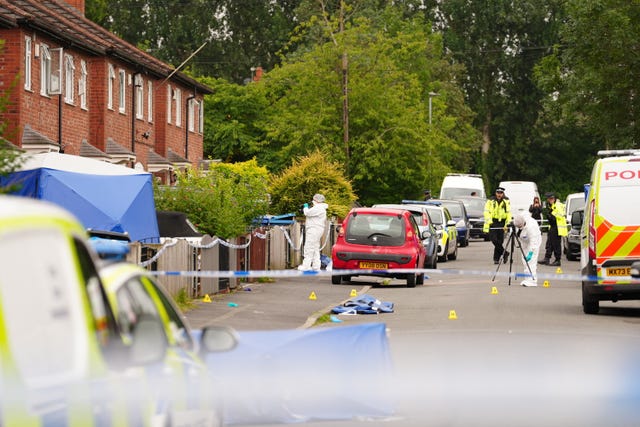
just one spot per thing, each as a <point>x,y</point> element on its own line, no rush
<point>97,123</point>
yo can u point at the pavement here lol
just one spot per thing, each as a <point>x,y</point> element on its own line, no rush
<point>284,303</point>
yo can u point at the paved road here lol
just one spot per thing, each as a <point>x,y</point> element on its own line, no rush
<point>510,356</point>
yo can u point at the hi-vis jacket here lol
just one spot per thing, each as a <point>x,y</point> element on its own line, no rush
<point>496,213</point>
<point>558,212</point>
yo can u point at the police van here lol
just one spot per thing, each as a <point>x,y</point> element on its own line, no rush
<point>610,234</point>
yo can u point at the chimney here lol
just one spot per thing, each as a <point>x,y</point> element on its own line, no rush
<point>78,4</point>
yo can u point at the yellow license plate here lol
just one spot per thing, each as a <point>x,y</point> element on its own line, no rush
<point>619,271</point>
<point>374,265</point>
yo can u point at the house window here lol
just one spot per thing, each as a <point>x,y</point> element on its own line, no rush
<point>45,69</point>
<point>82,85</point>
<point>201,116</point>
<point>139,83</point>
<point>69,78</point>
<point>178,97</point>
<point>150,101</point>
<point>191,106</point>
<point>111,80</point>
<point>169,102</point>
<point>27,63</point>
<point>122,80</point>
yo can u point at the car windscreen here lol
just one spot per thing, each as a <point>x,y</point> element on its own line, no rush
<point>474,205</point>
<point>375,229</point>
<point>436,215</point>
<point>455,209</point>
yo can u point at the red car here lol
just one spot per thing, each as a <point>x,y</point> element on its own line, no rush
<point>379,240</point>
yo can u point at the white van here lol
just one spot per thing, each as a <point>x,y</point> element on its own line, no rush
<point>574,201</point>
<point>610,235</point>
<point>460,184</point>
<point>520,194</point>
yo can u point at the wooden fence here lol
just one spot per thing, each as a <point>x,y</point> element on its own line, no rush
<point>269,248</point>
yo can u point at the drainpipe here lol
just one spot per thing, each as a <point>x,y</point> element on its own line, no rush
<point>186,128</point>
<point>60,123</point>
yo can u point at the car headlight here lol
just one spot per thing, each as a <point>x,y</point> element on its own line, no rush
<point>461,224</point>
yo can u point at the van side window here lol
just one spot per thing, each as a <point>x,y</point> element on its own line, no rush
<point>104,321</point>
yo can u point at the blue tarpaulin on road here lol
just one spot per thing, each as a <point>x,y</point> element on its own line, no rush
<point>293,376</point>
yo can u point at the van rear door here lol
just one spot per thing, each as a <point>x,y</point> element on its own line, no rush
<point>614,226</point>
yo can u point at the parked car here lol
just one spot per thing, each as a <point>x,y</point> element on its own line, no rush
<point>459,214</point>
<point>475,211</point>
<point>62,359</point>
<point>571,242</point>
<point>379,240</point>
<point>421,215</point>
<point>441,218</point>
<point>182,390</point>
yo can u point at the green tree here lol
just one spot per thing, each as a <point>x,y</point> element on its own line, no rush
<point>307,176</point>
<point>392,151</point>
<point>499,42</point>
<point>223,201</point>
<point>231,116</point>
<point>593,79</point>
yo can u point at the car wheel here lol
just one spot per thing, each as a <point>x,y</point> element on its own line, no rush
<point>420,278</point>
<point>454,255</point>
<point>411,280</point>
<point>590,305</point>
<point>336,279</point>
<point>443,258</point>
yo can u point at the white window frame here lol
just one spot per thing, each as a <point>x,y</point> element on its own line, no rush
<point>139,88</point>
<point>45,69</point>
<point>122,91</point>
<point>178,97</point>
<point>82,84</point>
<point>110,83</point>
<point>28,45</point>
<point>69,79</point>
<point>169,103</point>
<point>56,69</point>
<point>150,101</point>
<point>191,107</point>
<point>201,116</point>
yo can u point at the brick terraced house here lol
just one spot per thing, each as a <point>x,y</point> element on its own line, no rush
<point>76,88</point>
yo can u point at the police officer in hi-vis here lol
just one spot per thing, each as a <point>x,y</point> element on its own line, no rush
<point>497,215</point>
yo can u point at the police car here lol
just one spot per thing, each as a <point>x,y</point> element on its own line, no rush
<point>62,359</point>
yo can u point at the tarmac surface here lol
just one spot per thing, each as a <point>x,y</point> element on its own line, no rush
<point>284,303</point>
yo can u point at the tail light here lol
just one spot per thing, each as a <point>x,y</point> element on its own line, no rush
<point>340,230</point>
<point>592,230</point>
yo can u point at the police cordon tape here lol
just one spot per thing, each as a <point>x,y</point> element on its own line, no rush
<point>369,272</point>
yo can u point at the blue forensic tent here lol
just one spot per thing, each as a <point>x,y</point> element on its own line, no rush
<point>302,375</point>
<point>103,196</point>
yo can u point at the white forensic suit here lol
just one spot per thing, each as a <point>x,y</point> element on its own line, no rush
<point>530,240</point>
<point>314,230</point>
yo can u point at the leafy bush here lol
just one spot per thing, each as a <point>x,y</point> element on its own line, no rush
<point>304,178</point>
<point>222,201</point>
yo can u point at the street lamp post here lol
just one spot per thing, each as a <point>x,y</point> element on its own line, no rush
<point>431,95</point>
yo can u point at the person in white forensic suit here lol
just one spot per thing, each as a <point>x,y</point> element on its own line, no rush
<point>528,231</point>
<point>315,223</point>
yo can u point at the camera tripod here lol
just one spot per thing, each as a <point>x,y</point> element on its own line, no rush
<point>512,239</point>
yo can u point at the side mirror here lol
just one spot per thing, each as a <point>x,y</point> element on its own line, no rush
<point>426,234</point>
<point>451,223</point>
<point>216,339</point>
